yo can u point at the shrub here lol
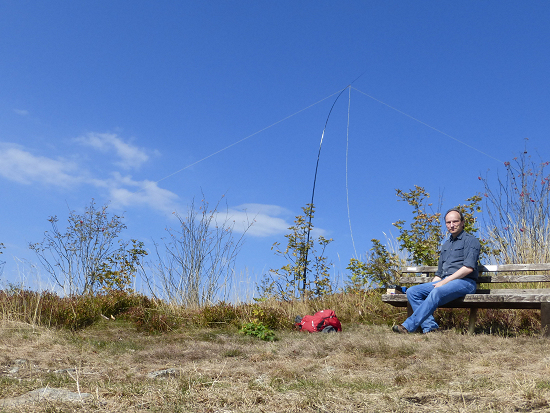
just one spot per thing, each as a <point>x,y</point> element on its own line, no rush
<point>272,317</point>
<point>152,320</point>
<point>221,313</point>
<point>73,313</point>
<point>259,330</point>
<point>87,257</point>
<point>115,302</point>
<point>197,258</point>
<point>306,273</point>
<point>518,211</point>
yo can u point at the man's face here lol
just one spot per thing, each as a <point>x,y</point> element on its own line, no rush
<point>454,224</point>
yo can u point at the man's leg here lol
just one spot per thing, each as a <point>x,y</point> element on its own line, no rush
<point>416,296</point>
<point>423,313</point>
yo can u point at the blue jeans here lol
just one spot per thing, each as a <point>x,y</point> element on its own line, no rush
<point>425,299</point>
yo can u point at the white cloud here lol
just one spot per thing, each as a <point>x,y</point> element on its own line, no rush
<point>265,219</point>
<point>130,156</point>
<point>125,192</point>
<point>21,112</point>
<point>19,165</point>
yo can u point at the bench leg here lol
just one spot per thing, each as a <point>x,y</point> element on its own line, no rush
<point>409,309</point>
<point>472,321</point>
<point>545,319</point>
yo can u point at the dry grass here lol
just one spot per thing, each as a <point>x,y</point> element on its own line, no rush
<point>365,368</point>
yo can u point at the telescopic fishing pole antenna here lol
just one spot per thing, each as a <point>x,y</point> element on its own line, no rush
<point>304,277</point>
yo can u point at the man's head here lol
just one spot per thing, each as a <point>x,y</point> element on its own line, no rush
<point>454,220</point>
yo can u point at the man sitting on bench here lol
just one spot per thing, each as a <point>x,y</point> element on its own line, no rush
<point>456,276</point>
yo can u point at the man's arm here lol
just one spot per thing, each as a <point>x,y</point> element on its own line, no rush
<point>460,273</point>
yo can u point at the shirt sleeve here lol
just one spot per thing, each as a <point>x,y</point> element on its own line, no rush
<point>439,271</point>
<point>471,251</point>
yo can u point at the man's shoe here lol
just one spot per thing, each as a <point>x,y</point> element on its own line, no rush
<point>398,328</point>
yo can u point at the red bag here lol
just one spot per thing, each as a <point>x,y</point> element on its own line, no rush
<point>320,321</point>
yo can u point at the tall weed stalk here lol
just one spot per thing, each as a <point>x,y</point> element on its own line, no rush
<point>517,212</point>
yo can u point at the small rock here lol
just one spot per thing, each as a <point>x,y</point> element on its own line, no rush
<point>61,371</point>
<point>162,374</point>
<point>45,393</point>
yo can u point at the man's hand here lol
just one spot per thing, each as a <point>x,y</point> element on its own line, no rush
<point>441,282</point>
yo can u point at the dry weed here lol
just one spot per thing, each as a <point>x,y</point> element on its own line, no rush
<point>364,368</point>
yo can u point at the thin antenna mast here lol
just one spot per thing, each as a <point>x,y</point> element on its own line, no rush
<point>304,277</point>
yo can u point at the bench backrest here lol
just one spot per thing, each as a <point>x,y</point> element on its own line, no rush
<point>429,271</point>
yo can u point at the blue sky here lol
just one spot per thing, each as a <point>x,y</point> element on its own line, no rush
<point>123,101</point>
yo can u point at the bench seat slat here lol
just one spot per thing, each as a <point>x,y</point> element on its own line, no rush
<point>519,291</point>
<point>486,279</point>
<point>523,300</point>
<point>486,268</point>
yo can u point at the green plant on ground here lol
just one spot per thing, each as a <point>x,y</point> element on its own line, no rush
<point>88,256</point>
<point>306,273</point>
<point>258,329</point>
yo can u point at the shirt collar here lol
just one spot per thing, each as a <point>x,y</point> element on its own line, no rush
<point>459,236</point>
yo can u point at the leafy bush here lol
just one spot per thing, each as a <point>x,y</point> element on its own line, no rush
<point>272,317</point>
<point>306,273</point>
<point>116,302</point>
<point>221,313</point>
<point>381,269</point>
<point>258,329</point>
<point>152,320</point>
<point>87,257</point>
<point>73,313</point>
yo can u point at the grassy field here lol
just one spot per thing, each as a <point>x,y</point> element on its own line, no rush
<point>365,368</point>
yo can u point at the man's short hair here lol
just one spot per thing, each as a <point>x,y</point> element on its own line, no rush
<point>455,210</point>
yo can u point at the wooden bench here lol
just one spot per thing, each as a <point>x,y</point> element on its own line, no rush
<point>494,275</point>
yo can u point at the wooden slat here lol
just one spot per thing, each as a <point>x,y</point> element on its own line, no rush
<point>487,279</point>
<point>515,267</point>
<point>501,291</point>
<point>486,268</point>
<point>481,300</point>
<point>513,279</point>
<point>419,269</point>
<point>508,298</point>
<point>415,280</point>
<point>397,300</point>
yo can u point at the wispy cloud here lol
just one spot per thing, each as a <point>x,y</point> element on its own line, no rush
<point>20,165</point>
<point>21,112</point>
<point>125,192</point>
<point>130,156</point>
<point>265,219</point>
